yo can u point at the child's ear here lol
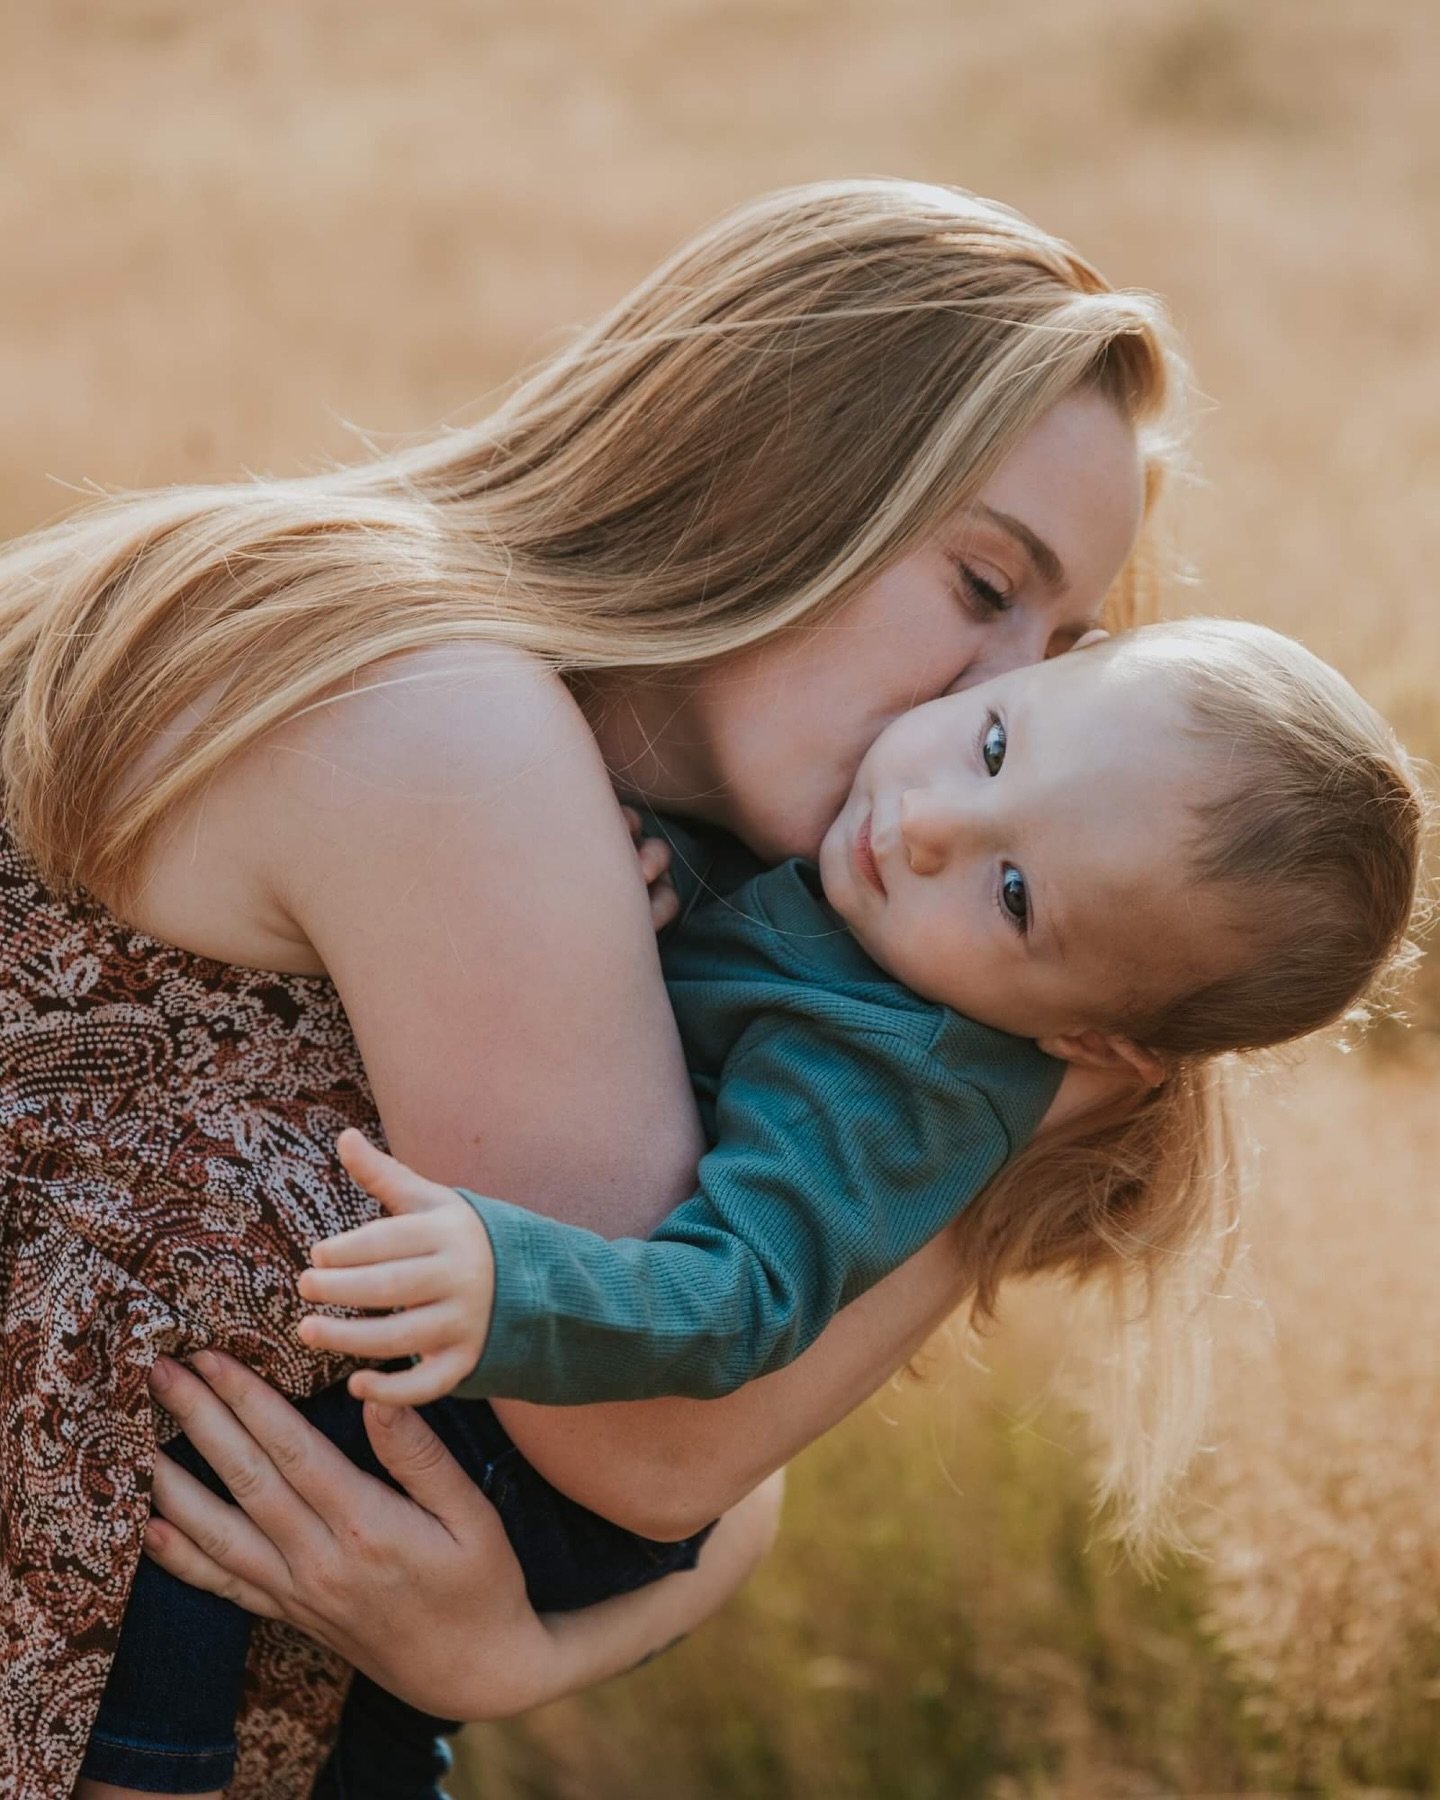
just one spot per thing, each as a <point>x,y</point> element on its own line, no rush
<point>1107,1050</point>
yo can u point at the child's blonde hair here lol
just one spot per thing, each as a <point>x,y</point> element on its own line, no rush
<point>1311,839</point>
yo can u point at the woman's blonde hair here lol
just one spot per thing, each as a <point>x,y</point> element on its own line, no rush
<point>784,407</point>
<point>1310,842</point>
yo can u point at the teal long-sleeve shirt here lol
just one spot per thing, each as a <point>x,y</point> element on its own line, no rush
<point>849,1122</point>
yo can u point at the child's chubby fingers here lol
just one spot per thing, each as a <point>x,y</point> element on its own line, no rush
<point>382,1240</point>
<point>414,1281</point>
<point>386,1179</point>
<point>654,857</point>
<point>417,1386</point>
<point>664,905</point>
<point>416,1332</point>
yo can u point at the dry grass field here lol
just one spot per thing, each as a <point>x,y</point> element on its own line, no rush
<point>234,234</point>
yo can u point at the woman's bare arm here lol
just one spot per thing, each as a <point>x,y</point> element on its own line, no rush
<point>665,1467</point>
<point>447,842</point>
<point>619,1634</point>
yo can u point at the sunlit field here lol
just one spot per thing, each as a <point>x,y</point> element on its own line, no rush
<point>255,236</point>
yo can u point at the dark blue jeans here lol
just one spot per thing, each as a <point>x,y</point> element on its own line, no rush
<point>166,1722</point>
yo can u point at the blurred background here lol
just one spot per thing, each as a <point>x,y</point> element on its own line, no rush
<point>238,235</point>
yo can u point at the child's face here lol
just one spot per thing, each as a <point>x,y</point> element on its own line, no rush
<point>1017,851</point>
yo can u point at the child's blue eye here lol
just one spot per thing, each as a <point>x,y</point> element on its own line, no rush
<point>992,745</point>
<point>1014,897</point>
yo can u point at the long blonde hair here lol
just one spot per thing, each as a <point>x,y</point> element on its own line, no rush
<point>1310,839</point>
<point>784,407</point>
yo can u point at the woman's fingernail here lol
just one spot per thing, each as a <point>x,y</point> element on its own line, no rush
<point>162,1374</point>
<point>205,1364</point>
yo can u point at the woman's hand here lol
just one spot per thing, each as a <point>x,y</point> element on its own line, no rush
<point>419,1589</point>
<point>422,1593</point>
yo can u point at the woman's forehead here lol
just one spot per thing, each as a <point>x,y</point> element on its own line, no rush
<point>1076,481</point>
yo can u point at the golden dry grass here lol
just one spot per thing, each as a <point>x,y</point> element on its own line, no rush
<point>230,230</point>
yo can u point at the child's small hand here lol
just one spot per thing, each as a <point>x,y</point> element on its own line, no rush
<point>433,1259</point>
<point>654,855</point>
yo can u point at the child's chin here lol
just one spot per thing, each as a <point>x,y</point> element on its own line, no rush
<point>836,879</point>
<point>847,902</point>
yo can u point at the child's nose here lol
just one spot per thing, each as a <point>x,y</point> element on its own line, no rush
<point>930,828</point>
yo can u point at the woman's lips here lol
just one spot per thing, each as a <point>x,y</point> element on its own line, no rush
<point>865,856</point>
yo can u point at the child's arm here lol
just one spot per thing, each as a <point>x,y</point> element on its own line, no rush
<point>837,1157</point>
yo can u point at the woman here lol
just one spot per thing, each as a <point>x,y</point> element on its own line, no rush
<point>858,444</point>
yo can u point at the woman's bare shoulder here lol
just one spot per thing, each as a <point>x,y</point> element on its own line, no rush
<point>418,730</point>
<point>442,718</point>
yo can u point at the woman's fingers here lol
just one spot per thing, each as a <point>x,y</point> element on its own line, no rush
<point>167,1545</point>
<point>430,1475</point>
<point>242,1427</point>
<point>382,1240</point>
<point>215,1539</point>
<point>411,1333</point>
<point>409,1282</point>
<point>250,1474</point>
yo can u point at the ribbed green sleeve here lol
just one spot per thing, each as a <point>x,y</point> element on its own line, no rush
<point>841,1147</point>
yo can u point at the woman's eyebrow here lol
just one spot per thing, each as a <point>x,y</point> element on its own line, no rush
<point>1048,565</point>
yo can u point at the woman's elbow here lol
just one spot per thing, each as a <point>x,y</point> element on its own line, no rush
<point>668,1510</point>
<point>660,1468</point>
<point>759,1510</point>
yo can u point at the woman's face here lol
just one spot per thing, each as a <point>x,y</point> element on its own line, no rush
<point>1017,576</point>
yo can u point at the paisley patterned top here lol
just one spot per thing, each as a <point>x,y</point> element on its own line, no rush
<point>167,1129</point>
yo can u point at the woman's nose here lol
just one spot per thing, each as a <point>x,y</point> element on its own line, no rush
<point>929,829</point>
<point>1024,637</point>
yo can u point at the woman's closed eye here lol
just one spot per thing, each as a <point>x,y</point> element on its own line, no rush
<point>983,589</point>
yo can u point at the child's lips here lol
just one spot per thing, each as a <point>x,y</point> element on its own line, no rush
<point>865,857</point>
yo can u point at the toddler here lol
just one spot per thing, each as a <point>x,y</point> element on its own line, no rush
<point>1190,840</point>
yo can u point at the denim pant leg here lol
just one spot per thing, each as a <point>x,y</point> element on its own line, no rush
<point>386,1750</point>
<point>166,1723</point>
